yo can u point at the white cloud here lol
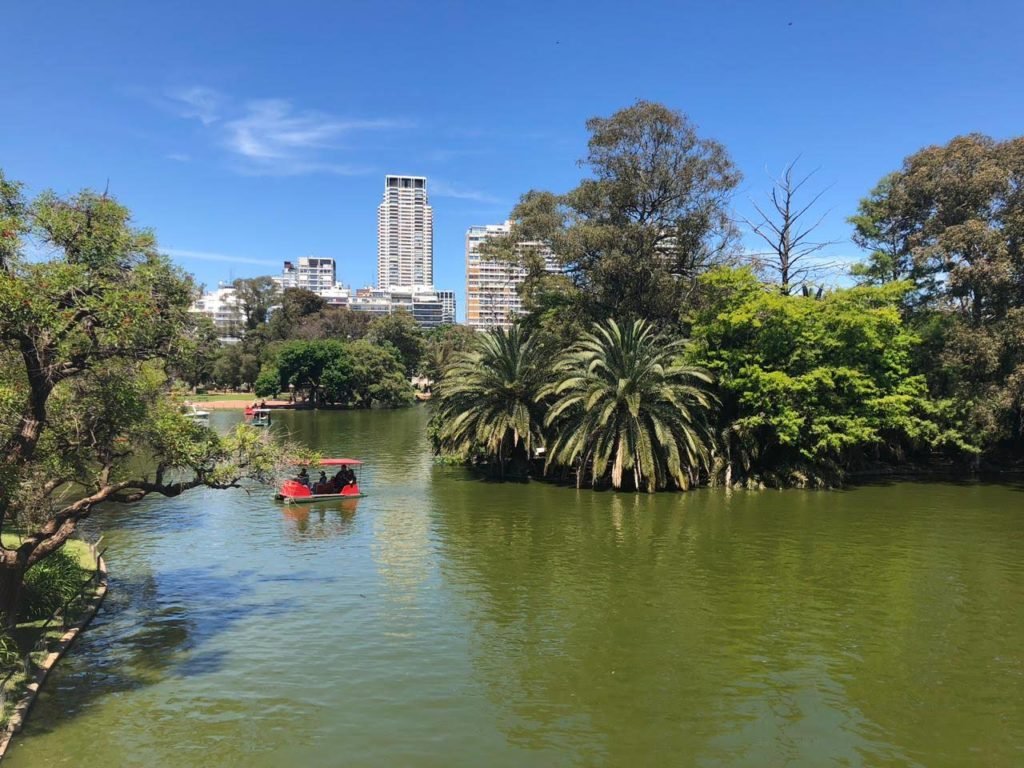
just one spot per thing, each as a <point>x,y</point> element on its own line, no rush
<point>269,137</point>
<point>182,254</point>
<point>444,189</point>
<point>271,130</point>
<point>197,102</point>
<point>179,157</point>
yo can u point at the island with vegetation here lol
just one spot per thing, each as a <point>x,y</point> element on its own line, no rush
<point>664,355</point>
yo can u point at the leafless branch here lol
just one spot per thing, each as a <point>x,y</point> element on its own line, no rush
<point>783,229</point>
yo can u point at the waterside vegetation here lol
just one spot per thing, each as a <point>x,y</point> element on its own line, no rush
<point>89,341</point>
<point>683,359</point>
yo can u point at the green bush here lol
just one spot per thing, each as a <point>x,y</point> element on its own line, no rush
<point>9,653</point>
<point>49,584</point>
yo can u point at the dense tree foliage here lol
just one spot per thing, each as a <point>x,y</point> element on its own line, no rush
<point>297,304</point>
<point>403,334</point>
<point>332,323</point>
<point>951,222</point>
<point>812,388</point>
<point>357,374</point>
<point>234,367</point>
<point>256,297</point>
<point>86,338</point>
<point>193,358</point>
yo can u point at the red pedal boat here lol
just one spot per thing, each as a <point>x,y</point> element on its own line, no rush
<point>342,485</point>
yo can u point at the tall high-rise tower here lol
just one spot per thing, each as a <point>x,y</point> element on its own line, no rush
<point>405,233</point>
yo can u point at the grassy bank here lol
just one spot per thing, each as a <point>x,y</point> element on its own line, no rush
<point>215,398</point>
<point>49,585</point>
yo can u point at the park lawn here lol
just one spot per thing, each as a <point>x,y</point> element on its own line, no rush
<point>75,547</point>
<point>216,398</point>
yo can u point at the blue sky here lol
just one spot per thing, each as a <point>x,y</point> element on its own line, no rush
<point>248,133</point>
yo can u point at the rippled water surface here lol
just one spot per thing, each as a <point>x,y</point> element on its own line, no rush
<point>443,621</point>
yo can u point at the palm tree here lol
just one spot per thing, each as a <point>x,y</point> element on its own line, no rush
<point>626,402</point>
<point>489,399</point>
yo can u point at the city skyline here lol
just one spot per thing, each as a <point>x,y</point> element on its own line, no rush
<point>239,153</point>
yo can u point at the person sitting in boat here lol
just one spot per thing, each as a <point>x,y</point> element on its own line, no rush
<point>303,477</point>
<point>339,480</point>
<point>350,477</point>
<point>322,485</point>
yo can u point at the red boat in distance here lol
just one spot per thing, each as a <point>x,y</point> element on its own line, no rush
<point>342,485</point>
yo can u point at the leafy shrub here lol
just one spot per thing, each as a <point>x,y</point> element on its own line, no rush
<point>9,653</point>
<point>49,584</point>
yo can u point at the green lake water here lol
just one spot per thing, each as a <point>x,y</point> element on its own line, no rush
<point>444,621</point>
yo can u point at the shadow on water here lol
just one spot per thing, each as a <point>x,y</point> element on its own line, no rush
<point>153,629</point>
<point>1013,480</point>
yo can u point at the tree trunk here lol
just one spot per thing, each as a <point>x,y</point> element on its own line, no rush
<point>12,579</point>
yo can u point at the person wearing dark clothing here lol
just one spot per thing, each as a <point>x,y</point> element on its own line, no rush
<point>339,481</point>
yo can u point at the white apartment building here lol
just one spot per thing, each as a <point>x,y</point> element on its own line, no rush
<point>405,233</point>
<point>314,273</point>
<point>221,306</point>
<point>428,306</point>
<point>492,287</point>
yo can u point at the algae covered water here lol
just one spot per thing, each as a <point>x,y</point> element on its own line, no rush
<point>445,621</point>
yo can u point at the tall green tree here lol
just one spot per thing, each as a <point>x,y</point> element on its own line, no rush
<point>951,221</point>
<point>333,323</point>
<point>234,367</point>
<point>629,409</point>
<point>256,296</point>
<point>193,358</point>
<point>297,304</point>
<point>632,237</point>
<point>400,331</point>
<point>376,376</point>
<point>357,374</point>
<point>489,403</point>
<point>306,365</point>
<point>85,411</point>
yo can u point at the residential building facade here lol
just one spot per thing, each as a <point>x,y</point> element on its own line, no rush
<point>405,233</point>
<point>492,287</point>
<point>314,273</point>
<point>428,306</point>
<point>221,306</point>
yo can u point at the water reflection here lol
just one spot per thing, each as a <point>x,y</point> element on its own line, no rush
<point>758,629</point>
<point>324,519</point>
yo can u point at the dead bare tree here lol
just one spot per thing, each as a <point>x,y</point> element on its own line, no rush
<point>789,259</point>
